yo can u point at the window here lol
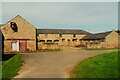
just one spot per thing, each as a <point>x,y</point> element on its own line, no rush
<point>42,41</point>
<point>14,27</point>
<point>102,40</point>
<point>74,35</point>
<point>56,40</point>
<point>63,39</point>
<point>68,39</point>
<point>80,40</point>
<point>74,40</point>
<point>60,35</point>
<point>49,40</point>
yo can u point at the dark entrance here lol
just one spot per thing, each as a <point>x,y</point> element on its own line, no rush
<point>1,45</point>
<point>69,42</point>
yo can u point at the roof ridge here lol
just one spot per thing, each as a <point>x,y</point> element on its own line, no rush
<point>16,17</point>
<point>97,35</point>
<point>62,31</point>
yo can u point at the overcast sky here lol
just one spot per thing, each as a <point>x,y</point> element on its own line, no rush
<point>90,16</point>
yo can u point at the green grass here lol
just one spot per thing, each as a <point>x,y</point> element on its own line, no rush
<point>100,66</point>
<point>0,69</point>
<point>11,67</point>
<point>101,49</point>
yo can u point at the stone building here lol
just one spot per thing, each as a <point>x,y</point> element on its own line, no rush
<point>108,39</point>
<point>19,35</point>
<point>62,37</point>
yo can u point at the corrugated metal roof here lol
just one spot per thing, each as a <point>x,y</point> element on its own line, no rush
<point>1,25</point>
<point>118,31</point>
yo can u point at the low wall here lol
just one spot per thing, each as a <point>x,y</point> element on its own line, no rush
<point>48,46</point>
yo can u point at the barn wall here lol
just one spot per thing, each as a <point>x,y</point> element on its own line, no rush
<point>25,32</point>
<point>112,40</point>
<point>64,36</point>
<point>48,46</point>
<point>31,45</point>
<point>7,46</point>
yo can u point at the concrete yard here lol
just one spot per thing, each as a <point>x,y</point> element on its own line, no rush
<point>54,64</point>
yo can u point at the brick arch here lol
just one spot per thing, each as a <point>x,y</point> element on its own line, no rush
<point>56,40</point>
<point>49,40</point>
<point>41,40</point>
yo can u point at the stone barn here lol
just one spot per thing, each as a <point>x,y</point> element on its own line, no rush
<point>19,35</point>
<point>60,37</point>
<point>108,39</point>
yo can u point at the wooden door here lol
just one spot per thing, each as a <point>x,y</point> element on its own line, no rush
<point>23,46</point>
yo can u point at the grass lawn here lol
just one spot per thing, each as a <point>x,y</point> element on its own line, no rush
<point>101,49</point>
<point>11,66</point>
<point>100,66</point>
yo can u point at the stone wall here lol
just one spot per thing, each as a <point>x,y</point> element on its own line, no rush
<point>7,46</point>
<point>64,40</point>
<point>110,41</point>
<point>48,46</point>
<point>25,31</point>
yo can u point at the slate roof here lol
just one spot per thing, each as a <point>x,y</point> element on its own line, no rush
<point>96,36</point>
<point>118,31</point>
<point>61,31</point>
<point>1,25</point>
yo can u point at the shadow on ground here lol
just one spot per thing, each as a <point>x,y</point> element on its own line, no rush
<point>5,57</point>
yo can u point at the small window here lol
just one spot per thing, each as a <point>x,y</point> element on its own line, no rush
<point>74,35</point>
<point>14,27</point>
<point>68,39</point>
<point>80,40</point>
<point>56,40</point>
<point>60,35</point>
<point>42,41</point>
<point>103,40</point>
<point>74,40</point>
<point>49,40</point>
<point>63,39</point>
<point>91,43</point>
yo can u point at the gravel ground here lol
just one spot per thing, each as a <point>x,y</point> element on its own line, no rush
<point>54,64</point>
